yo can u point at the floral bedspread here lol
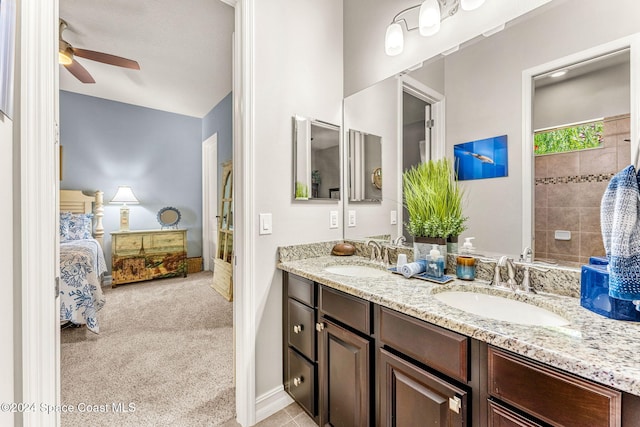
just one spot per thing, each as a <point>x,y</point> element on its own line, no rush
<point>82,265</point>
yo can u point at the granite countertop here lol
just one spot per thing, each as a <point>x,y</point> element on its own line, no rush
<point>591,346</point>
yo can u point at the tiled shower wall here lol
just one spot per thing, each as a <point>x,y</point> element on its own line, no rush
<point>568,191</point>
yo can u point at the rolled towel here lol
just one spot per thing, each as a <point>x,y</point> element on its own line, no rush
<point>414,268</point>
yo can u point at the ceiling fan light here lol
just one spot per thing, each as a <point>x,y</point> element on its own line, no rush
<point>394,40</point>
<point>471,4</point>
<point>65,57</point>
<point>429,17</point>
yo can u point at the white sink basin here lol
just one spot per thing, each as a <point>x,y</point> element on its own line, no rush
<point>498,308</point>
<point>356,271</point>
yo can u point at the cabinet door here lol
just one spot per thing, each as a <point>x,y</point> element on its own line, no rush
<point>345,390</point>
<point>411,396</point>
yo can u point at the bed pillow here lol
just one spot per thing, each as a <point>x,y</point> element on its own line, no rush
<point>79,226</point>
<point>64,225</point>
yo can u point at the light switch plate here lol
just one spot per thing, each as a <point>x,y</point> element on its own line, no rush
<point>352,219</point>
<point>266,223</point>
<point>333,219</point>
<point>394,217</point>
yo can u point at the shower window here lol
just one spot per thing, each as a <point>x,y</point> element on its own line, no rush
<point>569,138</point>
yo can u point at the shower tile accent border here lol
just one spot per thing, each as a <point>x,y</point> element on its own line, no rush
<point>575,179</point>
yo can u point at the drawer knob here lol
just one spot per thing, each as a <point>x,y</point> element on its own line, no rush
<point>297,381</point>
<point>298,328</point>
<point>319,326</point>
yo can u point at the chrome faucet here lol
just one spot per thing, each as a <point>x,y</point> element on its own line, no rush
<point>526,255</point>
<point>376,250</point>
<point>511,272</point>
<point>399,241</point>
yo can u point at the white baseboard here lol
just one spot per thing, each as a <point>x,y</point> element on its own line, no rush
<point>271,402</point>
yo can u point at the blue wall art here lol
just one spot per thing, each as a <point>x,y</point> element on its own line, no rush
<point>484,158</point>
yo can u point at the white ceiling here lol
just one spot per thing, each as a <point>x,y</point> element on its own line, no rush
<point>183,48</point>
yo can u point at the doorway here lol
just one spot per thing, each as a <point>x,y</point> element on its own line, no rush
<point>209,200</point>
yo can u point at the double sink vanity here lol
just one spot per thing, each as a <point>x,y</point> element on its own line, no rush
<point>363,346</point>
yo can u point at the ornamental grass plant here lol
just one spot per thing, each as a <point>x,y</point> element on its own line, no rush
<point>434,200</point>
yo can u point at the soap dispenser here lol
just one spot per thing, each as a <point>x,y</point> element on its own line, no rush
<point>435,263</point>
<point>465,263</point>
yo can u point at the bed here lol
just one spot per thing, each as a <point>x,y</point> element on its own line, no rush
<point>82,263</point>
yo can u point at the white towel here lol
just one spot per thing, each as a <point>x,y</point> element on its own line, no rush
<point>414,268</point>
<point>619,216</point>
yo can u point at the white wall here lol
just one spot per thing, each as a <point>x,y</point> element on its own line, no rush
<point>373,111</point>
<point>483,89</point>
<point>604,93</point>
<point>298,70</point>
<point>6,266</point>
<point>365,24</point>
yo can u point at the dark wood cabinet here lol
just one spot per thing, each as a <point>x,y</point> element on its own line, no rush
<point>300,342</point>
<point>500,416</point>
<point>412,397</point>
<point>344,374</point>
<point>555,397</point>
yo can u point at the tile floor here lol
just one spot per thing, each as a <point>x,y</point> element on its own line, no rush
<point>291,416</point>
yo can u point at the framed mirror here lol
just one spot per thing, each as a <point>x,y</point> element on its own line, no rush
<point>169,217</point>
<point>316,160</point>
<point>365,167</point>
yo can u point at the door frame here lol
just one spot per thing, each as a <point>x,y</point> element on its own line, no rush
<point>36,329</point>
<point>209,198</point>
<point>437,101</point>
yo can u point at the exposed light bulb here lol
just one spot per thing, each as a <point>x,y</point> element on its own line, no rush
<point>471,4</point>
<point>429,17</point>
<point>559,73</point>
<point>394,40</point>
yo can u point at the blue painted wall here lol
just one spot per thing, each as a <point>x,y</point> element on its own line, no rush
<point>220,120</point>
<point>159,154</point>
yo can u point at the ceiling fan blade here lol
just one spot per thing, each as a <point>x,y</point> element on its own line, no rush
<point>79,72</point>
<point>106,58</point>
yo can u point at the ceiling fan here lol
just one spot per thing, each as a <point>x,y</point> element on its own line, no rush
<point>66,54</point>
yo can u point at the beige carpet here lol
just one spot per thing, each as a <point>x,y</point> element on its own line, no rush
<point>164,348</point>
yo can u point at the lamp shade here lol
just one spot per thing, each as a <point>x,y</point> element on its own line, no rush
<point>429,17</point>
<point>394,40</point>
<point>125,195</point>
<point>471,4</point>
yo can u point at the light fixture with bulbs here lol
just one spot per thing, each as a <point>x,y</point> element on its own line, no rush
<point>430,15</point>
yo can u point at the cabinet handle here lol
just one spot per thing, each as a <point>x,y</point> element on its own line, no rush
<point>319,326</point>
<point>298,328</point>
<point>297,381</point>
<point>455,404</point>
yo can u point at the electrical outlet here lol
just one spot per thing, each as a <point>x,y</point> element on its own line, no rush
<point>394,217</point>
<point>333,219</point>
<point>352,219</point>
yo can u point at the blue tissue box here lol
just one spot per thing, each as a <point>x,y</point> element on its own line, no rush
<point>594,295</point>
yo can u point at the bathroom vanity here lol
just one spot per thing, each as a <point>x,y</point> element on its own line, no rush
<point>383,351</point>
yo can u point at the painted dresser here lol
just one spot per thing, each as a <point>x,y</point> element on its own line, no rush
<point>147,254</point>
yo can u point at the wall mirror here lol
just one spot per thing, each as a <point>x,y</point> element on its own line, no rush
<point>169,217</point>
<point>316,160</point>
<point>487,88</point>
<point>365,167</point>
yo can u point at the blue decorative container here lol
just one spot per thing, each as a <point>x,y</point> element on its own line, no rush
<point>594,294</point>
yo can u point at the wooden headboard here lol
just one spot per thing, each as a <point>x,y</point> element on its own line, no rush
<point>75,201</point>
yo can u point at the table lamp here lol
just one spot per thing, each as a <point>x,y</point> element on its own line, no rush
<point>124,196</point>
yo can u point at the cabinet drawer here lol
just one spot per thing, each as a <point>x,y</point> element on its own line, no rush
<point>443,350</point>
<point>301,289</point>
<point>300,382</point>
<point>351,311</point>
<point>550,395</point>
<point>166,240</point>
<point>499,416</point>
<point>301,331</point>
